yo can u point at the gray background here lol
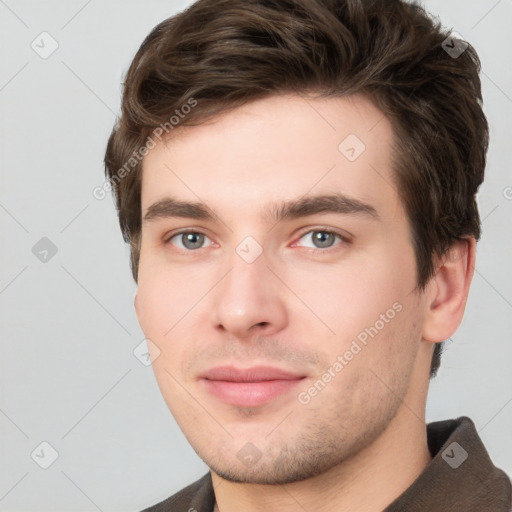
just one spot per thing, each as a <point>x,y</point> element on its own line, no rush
<point>68,373</point>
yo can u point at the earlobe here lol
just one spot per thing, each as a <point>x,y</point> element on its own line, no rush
<point>136,305</point>
<point>448,291</point>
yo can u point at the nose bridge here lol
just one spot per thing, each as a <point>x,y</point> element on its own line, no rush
<point>247,262</point>
<point>248,295</point>
<point>247,282</point>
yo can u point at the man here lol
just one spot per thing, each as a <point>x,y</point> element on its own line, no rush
<point>297,181</point>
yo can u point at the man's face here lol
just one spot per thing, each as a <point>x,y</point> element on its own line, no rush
<point>287,342</point>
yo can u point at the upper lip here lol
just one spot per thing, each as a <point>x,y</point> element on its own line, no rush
<point>254,374</point>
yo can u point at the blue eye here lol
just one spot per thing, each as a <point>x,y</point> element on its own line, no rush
<point>322,239</point>
<point>188,240</point>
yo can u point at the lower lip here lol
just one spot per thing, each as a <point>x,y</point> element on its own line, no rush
<point>249,394</point>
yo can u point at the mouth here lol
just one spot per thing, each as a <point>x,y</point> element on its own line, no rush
<point>250,387</point>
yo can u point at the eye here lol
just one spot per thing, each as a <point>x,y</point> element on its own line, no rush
<point>188,240</point>
<point>321,239</point>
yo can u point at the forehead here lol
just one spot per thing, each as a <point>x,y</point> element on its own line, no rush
<point>278,148</point>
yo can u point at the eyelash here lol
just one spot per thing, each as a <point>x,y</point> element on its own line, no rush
<point>344,239</point>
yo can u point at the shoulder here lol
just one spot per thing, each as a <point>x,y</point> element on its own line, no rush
<point>196,497</point>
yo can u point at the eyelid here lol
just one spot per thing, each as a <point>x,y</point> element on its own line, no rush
<point>167,237</point>
<point>344,235</point>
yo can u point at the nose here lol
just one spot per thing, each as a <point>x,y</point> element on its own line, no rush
<point>249,301</point>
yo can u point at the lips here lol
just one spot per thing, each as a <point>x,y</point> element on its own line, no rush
<point>250,387</point>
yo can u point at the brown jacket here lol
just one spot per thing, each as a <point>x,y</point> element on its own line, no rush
<point>460,478</point>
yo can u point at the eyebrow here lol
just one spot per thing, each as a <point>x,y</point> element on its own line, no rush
<point>275,212</point>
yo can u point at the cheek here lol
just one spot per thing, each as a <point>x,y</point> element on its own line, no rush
<point>165,293</point>
<point>162,304</point>
<point>169,302</point>
<point>348,297</point>
<point>154,306</point>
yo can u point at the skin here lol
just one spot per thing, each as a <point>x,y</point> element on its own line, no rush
<point>360,441</point>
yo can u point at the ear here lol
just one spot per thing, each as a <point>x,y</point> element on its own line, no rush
<point>136,305</point>
<point>448,291</point>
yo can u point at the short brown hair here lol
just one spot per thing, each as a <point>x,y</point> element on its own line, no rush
<point>225,53</point>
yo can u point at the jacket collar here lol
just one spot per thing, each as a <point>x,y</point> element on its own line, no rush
<point>460,477</point>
